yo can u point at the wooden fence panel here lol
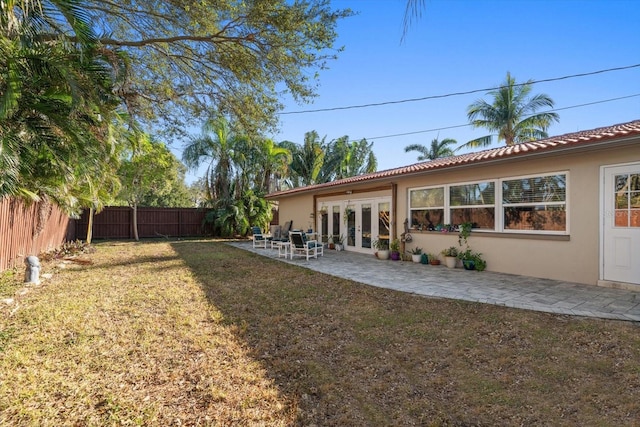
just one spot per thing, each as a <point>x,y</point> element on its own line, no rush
<point>153,222</point>
<point>116,222</point>
<point>30,229</point>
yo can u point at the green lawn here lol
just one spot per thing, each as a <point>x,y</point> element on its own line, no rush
<point>200,333</point>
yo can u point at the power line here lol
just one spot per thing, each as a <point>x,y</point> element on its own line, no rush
<point>425,98</point>
<point>468,124</point>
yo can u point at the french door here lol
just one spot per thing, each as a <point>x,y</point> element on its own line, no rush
<point>358,222</point>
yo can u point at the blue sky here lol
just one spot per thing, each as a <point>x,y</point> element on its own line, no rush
<point>464,45</point>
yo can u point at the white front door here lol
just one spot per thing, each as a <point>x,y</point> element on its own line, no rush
<point>621,224</point>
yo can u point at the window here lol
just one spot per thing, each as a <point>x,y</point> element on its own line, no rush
<point>535,203</point>
<point>324,224</point>
<point>518,204</point>
<point>627,200</point>
<point>336,219</point>
<point>474,203</point>
<point>384,221</point>
<point>426,207</point>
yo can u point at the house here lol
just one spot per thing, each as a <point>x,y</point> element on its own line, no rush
<point>564,208</point>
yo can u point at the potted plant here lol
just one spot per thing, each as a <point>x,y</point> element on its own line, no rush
<point>330,244</point>
<point>338,241</point>
<point>416,254</point>
<point>450,256</point>
<point>433,259</point>
<point>464,230</point>
<point>394,247</point>
<point>382,248</point>
<point>472,260</point>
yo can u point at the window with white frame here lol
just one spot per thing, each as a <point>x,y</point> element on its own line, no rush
<point>426,207</point>
<point>473,203</point>
<point>535,203</point>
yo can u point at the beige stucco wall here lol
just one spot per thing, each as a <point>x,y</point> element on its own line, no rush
<point>297,209</point>
<point>572,258</point>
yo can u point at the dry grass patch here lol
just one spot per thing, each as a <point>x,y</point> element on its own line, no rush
<point>200,333</point>
<point>129,340</point>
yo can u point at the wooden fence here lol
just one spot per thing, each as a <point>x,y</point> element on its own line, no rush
<point>32,229</point>
<point>116,222</point>
<point>29,229</point>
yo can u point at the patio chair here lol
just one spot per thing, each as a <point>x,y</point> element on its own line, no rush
<point>304,248</point>
<point>284,232</point>
<point>259,240</point>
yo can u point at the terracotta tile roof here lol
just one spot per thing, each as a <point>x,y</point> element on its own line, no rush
<point>567,141</point>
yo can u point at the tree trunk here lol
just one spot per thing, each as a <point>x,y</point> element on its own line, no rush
<point>135,221</point>
<point>90,226</point>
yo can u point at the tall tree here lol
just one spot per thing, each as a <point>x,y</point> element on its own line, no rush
<point>175,194</point>
<point>436,150</point>
<point>148,167</point>
<point>345,159</point>
<point>66,64</point>
<point>56,104</point>
<point>273,161</point>
<point>512,114</point>
<point>235,56</point>
<point>216,146</point>
<point>306,160</point>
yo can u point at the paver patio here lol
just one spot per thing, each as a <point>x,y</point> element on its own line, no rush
<point>487,287</point>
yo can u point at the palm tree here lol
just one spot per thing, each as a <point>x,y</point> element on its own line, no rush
<point>273,161</point>
<point>512,114</point>
<point>216,145</point>
<point>56,102</point>
<point>345,159</point>
<point>437,150</point>
<point>307,160</point>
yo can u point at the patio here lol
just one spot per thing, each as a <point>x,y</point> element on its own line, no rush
<point>487,287</point>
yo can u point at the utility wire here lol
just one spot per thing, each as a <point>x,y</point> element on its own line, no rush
<point>469,124</point>
<point>377,104</point>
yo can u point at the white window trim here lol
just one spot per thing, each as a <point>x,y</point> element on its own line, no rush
<point>537,232</point>
<point>499,206</point>
<point>443,207</point>
<point>494,205</point>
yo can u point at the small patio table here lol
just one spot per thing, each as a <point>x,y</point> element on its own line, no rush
<point>283,248</point>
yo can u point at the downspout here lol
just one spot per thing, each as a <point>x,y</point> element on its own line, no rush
<point>394,211</point>
<point>313,211</point>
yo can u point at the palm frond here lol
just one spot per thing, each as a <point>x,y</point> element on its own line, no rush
<point>482,142</point>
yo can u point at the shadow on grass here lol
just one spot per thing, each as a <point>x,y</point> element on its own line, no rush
<point>351,354</point>
<point>139,260</point>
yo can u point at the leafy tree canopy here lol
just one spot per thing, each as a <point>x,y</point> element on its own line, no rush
<point>149,173</point>
<point>238,57</point>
